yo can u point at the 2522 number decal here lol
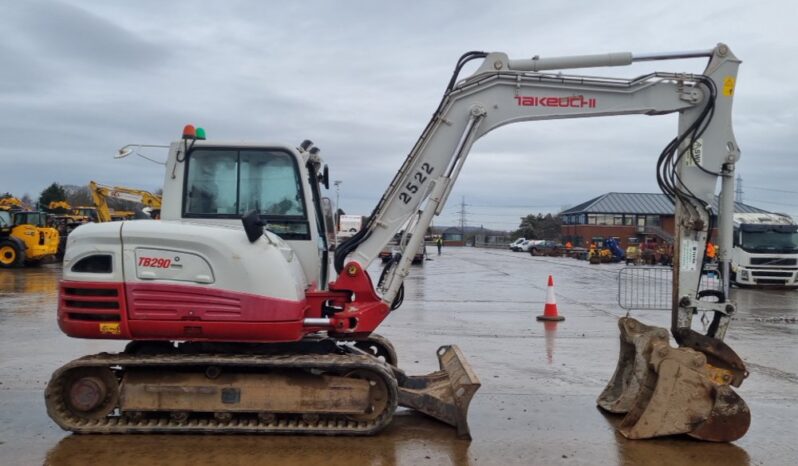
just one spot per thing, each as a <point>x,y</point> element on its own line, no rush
<point>416,181</point>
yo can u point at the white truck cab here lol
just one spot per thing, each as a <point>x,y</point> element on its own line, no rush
<point>765,250</point>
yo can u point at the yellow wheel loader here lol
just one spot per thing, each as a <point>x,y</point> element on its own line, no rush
<point>25,238</point>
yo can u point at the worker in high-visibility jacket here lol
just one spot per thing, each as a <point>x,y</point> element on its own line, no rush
<point>711,251</point>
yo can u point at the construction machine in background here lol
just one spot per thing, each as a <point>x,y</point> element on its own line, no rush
<point>632,254</point>
<point>73,216</point>
<point>12,203</point>
<point>241,318</point>
<point>100,193</point>
<point>603,251</point>
<point>25,237</point>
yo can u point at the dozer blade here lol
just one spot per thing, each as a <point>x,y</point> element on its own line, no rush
<point>636,338</point>
<point>445,394</point>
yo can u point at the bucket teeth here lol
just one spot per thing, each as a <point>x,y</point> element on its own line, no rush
<point>666,391</point>
<point>445,394</point>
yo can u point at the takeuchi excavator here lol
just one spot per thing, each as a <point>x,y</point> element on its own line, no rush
<point>242,318</point>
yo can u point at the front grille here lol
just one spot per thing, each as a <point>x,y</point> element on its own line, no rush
<point>91,291</point>
<point>93,317</point>
<point>770,281</point>
<point>774,261</point>
<point>770,273</point>
<point>92,302</point>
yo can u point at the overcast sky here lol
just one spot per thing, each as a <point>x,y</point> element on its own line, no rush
<point>79,79</point>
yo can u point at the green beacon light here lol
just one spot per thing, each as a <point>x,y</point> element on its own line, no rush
<point>201,134</point>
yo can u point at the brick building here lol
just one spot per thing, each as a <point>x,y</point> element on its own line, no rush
<point>646,216</point>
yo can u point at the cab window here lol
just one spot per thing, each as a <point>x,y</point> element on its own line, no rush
<point>227,183</point>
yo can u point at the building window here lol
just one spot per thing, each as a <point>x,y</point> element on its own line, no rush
<point>652,220</point>
<point>629,220</point>
<point>617,219</point>
<point>591,219</point>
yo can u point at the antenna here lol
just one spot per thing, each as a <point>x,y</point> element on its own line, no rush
<point>738,190</point>
<point>463,215</point>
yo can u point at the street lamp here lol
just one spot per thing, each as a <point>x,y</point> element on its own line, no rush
<point>337,184</point>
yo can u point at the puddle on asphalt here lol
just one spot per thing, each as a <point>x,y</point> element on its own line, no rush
<point>410,439</point>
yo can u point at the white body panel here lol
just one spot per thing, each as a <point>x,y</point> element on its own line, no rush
<point>94,238</point>
<point>189,253</point>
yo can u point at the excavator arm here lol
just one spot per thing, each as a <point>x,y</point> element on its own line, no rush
<point>504,91</point>
<point>100,193</point>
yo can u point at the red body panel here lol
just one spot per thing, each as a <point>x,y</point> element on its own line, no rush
<point>168,311</point>
<point>166,301</point>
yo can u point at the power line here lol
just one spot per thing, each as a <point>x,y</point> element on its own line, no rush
<point>771,202</point>
<point>515,206</point>
<point>772,189</point>
<point>463,213</point>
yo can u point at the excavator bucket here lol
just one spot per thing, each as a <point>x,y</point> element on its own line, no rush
<point>620,393</point>
<point>444,394</point>
<point>667,391</point>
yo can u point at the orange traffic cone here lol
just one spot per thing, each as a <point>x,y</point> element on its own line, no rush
<point>550,311</point>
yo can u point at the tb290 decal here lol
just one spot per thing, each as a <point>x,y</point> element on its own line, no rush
<point>155,262</point>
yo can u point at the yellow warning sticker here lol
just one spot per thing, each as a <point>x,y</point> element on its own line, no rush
<point>111,328</point>
<point>728,86</point>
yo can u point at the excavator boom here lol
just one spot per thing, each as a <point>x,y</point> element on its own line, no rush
<point>504,91</point>
<point>100,193</point>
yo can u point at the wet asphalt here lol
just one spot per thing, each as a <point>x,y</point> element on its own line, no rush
<point>539,384</point>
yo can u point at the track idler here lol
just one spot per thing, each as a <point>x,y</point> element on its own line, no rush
<point>445,394</point>
<point>666,391</point>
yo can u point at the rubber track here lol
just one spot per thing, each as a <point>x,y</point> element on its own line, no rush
<point>241,422</point>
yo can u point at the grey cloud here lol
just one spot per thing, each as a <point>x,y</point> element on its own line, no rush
<point>71,36</point>
<point>361,79</point>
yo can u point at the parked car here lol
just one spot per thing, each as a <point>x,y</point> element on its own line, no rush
<point>393,248</point>
<point>515,244</point>
<point>546,248</point>
<point>529,244</point>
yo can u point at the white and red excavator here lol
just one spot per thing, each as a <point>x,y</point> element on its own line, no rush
<point>242,318</point>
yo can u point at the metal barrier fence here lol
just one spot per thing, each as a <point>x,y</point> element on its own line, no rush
<point>651,288</point>
<point>645,288</point>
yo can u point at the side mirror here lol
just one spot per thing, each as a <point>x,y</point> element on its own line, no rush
<point>325,177</point>
<point>253,225</point>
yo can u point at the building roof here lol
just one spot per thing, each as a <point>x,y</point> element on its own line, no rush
<point>468,230</point>
<point>641,203</point>
<point>625,203</point>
